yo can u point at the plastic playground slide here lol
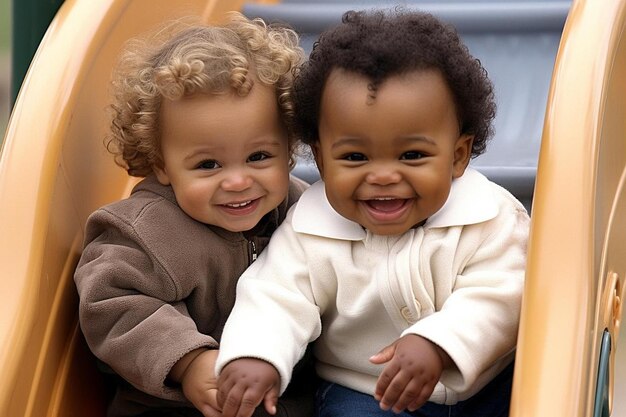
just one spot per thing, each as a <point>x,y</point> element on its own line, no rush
<point>570,361</point>
<point>54,171</point>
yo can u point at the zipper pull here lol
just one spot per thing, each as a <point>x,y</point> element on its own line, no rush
<point>252,251</point>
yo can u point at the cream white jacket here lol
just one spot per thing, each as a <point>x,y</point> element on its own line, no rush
<point>456,281</point>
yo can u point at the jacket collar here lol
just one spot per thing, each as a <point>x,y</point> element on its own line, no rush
<point>471,201</point>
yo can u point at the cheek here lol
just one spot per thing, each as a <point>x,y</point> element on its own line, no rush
<point>342,186</point>
<point>190,203</point>
<point>277,181</point>
<point>439,193</point>
<point>343,179</point>
<point>201,185</point>
<point>341,202</point>
<point>195,192</point>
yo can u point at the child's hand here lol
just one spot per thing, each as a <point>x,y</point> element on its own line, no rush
<point>244,383</point>
<point>413,368</point>
<point>199,383</point>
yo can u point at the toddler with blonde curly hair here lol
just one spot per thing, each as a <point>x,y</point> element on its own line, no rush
<point>203,113</point>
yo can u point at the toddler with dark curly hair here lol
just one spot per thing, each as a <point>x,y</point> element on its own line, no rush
<point>404,265</point>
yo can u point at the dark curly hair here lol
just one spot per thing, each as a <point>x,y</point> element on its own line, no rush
<point>383,43</point>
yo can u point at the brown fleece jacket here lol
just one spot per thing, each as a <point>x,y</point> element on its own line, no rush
<point>155,284</point>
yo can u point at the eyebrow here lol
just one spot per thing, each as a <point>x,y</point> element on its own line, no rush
<point>266,142</point>
<point>195,153</point>
<point>347,142</point>
<point>352,141</point>
<point>412,139</point>
<point>208,149</point>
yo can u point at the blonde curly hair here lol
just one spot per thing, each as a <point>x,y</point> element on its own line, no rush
<point>185,59</point>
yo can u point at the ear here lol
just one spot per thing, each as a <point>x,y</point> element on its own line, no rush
<point>462,154</point>
<point>317,154</point>
<point>161,174</point>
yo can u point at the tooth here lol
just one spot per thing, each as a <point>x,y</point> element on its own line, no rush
<point>237,205</point>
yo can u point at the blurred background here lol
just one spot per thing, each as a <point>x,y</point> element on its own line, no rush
<point>5,66</point>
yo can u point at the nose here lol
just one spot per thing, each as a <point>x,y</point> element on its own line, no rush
<point>236,180</point>
<point>383,175</point>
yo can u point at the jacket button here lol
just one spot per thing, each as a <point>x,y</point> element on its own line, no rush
<point>406,314</point>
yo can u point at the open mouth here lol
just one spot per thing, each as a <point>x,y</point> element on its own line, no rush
<point>386,209</point>
<point>241,208</point>
<point>239,205</point>
<point>386,204</point>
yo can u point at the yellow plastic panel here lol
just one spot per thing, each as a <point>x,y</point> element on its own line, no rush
<point>54,171</point>
<point>577,254</point>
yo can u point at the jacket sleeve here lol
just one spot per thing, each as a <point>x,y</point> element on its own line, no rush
<point>275,314</point>
<point>477,324</point>
<point>132,313</point>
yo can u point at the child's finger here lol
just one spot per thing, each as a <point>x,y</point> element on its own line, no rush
<point>208,411</point>
<point>207,404</point>
<point>385,378</point>
<point>249,402</point>
<point>223,388</point>
<point>230,401</point>
<point>411,395</point>
<point>384,355</point>
<point>415,404</point>
<point>394,391</point>
<point>212,399</point>
<point>270,401</point>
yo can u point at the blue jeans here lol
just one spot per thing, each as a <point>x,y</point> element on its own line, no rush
<point>493,400</point>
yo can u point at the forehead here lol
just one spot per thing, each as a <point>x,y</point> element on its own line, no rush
<point>399,87</point>
<point>418,100</point>
<point>202,118</point>
<point>261,97</point>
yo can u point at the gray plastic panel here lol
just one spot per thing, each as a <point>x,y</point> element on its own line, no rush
<point>516,41</point>
<point>466,16</point>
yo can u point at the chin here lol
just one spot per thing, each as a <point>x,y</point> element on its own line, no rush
<point>236,229</point>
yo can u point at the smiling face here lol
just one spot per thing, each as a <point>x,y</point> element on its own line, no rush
<point>388,162</point>
<point>225,156</point>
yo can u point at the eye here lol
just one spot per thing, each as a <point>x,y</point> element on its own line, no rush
<point>355,156</point>
<point>411,155</point>
<point>258,156</point>
<point>208,164</point>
